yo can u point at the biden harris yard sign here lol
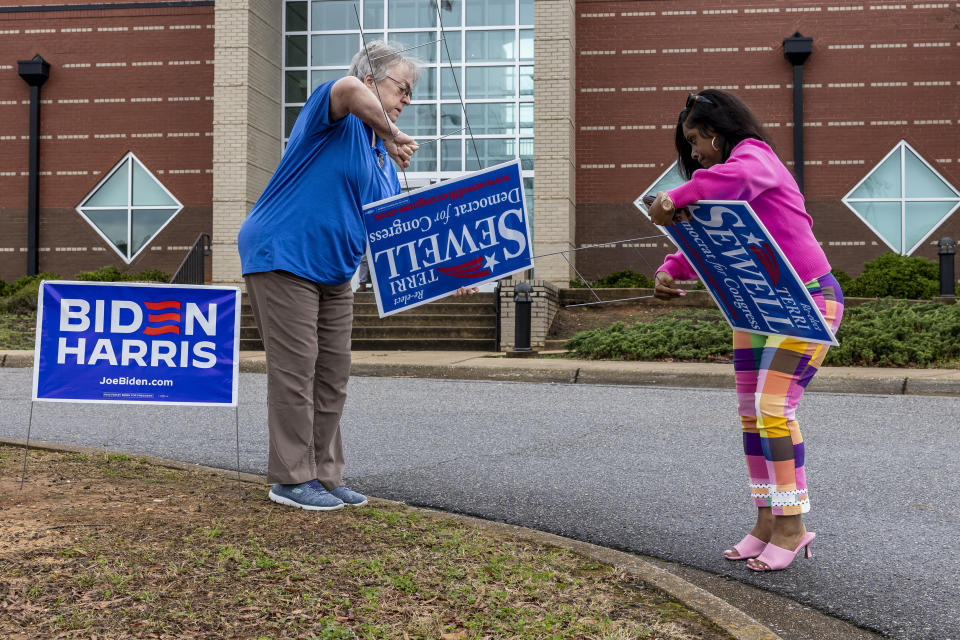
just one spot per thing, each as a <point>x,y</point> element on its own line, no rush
<point>750,279</point>
<point>428,243</point>
<point>137,343</point>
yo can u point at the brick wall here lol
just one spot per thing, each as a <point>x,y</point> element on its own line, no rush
<point>609,80</point>
<point>879,73</point>
<point>121,80</point>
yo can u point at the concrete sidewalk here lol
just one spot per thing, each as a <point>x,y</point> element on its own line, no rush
<point>482,365</point>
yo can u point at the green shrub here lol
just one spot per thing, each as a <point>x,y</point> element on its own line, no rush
<point>23,300</point>
<point>882,333</point>
<point>698,335</point>
<point>845,281</point>
<point>889,275</point>
<point>898,333</point>
<point>153,275</point>
<point>111,273</point>
<point>26,281</point>
<point>896,276</point>
<point>625,279</point>
<point>20,296</point>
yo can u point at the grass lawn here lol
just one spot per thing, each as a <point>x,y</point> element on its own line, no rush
<point>17,330</point>
<point>109,546</point>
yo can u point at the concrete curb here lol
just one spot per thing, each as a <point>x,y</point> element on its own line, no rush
<point>557,375</point>
<point>490,366</point>
<point>576,372</point>
<point>732,620</point>
<point>17,359</point>
<point>464,372</point>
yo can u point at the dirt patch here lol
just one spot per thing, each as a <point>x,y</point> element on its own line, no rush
<point>570,320</point>
<point>109,546</point>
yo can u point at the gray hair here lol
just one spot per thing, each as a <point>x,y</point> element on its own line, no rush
<point>378,57</point>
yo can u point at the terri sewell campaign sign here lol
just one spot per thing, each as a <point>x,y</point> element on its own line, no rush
<point>428,243</point>
<point>745,271</point>
<point>137,343</point>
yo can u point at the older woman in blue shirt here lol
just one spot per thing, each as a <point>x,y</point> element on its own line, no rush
<point>299,248</point>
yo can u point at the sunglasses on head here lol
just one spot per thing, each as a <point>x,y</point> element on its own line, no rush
<point>694,98</point>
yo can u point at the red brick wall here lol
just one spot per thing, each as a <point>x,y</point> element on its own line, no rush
<point>121,80</point>
<point>852,46</point>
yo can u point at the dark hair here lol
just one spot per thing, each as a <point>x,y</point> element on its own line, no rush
<point>726,115</point>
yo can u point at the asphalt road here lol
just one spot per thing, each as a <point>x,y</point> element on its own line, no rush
<point>650,470</point>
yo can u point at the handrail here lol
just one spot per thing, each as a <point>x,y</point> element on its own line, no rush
<point>191,270</point>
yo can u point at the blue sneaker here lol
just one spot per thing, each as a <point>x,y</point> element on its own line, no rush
<point>349,496</point>
<point>306,495</point>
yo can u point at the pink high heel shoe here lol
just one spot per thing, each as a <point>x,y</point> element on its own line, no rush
<point>777,558</point>
<point>750,547</point>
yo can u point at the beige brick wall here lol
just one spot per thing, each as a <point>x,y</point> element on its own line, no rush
<point>555,132</point>
<point>545,300</point>
<point>247,119</point>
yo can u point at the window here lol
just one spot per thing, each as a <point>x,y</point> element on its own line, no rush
<point>129,207</point>
<point>483,55</point>
<point>903,199</point>
<point>669,179</point>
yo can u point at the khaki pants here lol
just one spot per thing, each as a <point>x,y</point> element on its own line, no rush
<point>306,329</point>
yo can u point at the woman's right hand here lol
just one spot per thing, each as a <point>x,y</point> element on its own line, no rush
<point>401,148</point>
<point>665,288</point>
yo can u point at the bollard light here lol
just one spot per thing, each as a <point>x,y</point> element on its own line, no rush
<point>946,248</point>
<point>522,302</point>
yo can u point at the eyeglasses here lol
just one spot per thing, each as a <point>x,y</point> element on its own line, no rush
<point>403,86</point>
<point>694,98</point>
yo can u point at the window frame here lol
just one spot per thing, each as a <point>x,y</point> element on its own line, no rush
<point>385,31</point>
<point>652,188</point>
<point>127,161</point>
<point>902,147</point>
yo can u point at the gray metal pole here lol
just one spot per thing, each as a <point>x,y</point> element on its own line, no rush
<point>34,72</point>
<point>796,49</point>
<point>798,124</point>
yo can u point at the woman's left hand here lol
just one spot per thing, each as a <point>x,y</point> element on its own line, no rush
<point>466,291</point>
<point>666,216</point>
<point>658,214</point>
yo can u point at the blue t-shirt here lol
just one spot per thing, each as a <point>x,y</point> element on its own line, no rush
<point>308,221</point>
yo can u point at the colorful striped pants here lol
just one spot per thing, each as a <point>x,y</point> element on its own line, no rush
<point>772,373</point>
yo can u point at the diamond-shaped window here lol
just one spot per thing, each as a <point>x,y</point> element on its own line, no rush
<point>129,207</point>
<point>903,199</point>
<point>667,180</point>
